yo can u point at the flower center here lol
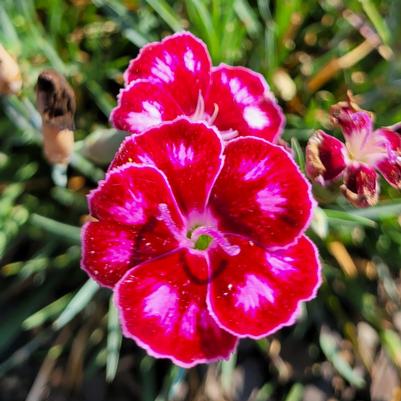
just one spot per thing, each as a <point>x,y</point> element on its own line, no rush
<point>203,242</point>
<point>204,236</point>
<point>199,236</point>
<point>201,115</point>
<point>366,147</point>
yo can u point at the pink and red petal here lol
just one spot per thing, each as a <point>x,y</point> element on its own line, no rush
<point>189,154</point>
<point>134,195</point>
<point>162,306</point>
<point>390,166</point>
<point>110,249</point>
<point>142,105</point>
<point>352,121</point>
<point>245,103</point>
<point>360,185</point>
<point>325,157</point>
<point>107,251</point>
<point>261,194</point>
<point>180,64</point>
<point>258,291</point>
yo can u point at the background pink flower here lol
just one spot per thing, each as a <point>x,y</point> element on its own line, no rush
<point>202,244</point>
<point>175,77</point>
<point>365,151</point>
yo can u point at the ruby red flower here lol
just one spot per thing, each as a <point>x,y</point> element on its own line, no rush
<point>202,243</point>
<point>365,151</point>
<point>175,77</point>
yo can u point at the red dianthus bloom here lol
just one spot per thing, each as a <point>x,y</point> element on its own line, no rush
<point>175,78</point>
<point>202,243</point>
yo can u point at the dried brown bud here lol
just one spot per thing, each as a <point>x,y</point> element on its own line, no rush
<point>10,76</point>
<point>360,185</point>
<point>55,101</point>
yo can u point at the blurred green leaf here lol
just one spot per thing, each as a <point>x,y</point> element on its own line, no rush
<point>392,343</point>
<point>46,313</point>
<point>296,393</point>
<point>385,209</point>
<point>66,231</point>
<point>167,14</point>
<point>114,339</point>
<point>298,154</point>
<point>328,345</point>
<point>339,216</point>
<point>248,16</point>
<point>202,20</point>
<point>377,20</point>
<point>78,302</point>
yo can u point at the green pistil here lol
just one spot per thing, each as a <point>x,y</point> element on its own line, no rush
<point>189,233</point>
<point>203,242</point>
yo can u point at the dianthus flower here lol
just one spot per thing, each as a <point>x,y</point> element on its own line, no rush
<point>175,78</point>
<point>202,243</point>
<point>365,151</point>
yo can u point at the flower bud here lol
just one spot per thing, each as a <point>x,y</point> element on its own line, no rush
<point>360,185</point>
<point>10,75</point>
<point>55,101</point>
<point>325,157</point>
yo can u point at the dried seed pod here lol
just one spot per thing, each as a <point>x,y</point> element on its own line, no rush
<point>55,101</point>
<point>10,75</point>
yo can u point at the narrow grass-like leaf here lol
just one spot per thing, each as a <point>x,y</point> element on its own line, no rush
<point>264,393</point>
<point>9,35</point>
<point>102,98</point>
<point>296,392</point>
<point>21,355</point>
<point>79,301</point>
<point>200,16</point>
<point>319,223</point>
<point>175,385</point>
<point>392,342</point>
<point>339,216</point>
<point>121,16</point>
<point>328,346</point>
<point>166,13</point>
<point>148,378</point>
<point>385,209</point>
<point>248,16</point>
<point>46,313</point>
<point>377,20</point>
<point>114,339</point>
<point>66,231</point>
<point>86,167</point>
<point>298,153</point>
<point>227,372</point>
<point>12,319</point>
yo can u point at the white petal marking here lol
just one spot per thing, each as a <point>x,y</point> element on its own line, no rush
<point>189,321</point>
<point>132,210</point>
<point>189,60</point>
<point>150,116</point>
<point>270,201</point>
<point>252,170</point>
<point>162,70</point>
<point>280,265</point>
<point>181,154</point>
<point>255,117</point>
<point>251,294</point>
<point>161,303</point>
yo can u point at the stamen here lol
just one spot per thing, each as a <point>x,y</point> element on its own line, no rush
<point>214,115</point>
<point>200,115</point>
<point>200,108</point>
<point>217,236</point>
<point>229,134</point>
